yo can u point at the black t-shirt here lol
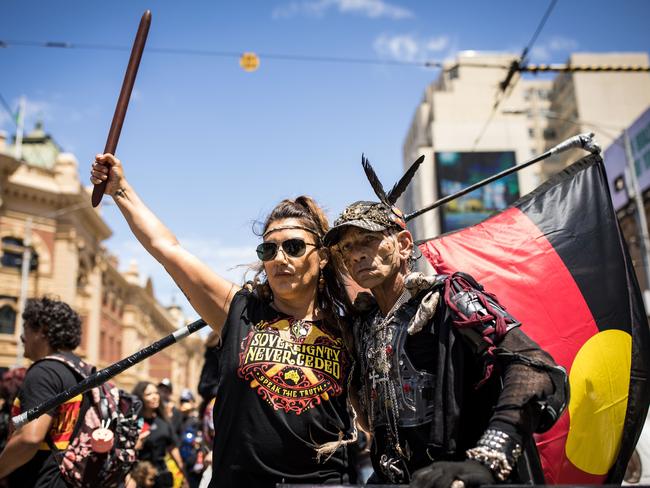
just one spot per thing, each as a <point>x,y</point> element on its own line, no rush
<point>176,421</point>
<point>161,438</point>
<point>209,379</point>
<point>281,394</point>
<point>44,380</point>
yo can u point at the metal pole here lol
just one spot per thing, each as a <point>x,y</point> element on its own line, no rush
<point>20,128</point>
<point>24,286</point>
<point>107,373</point>
<point>584,141</point>
<point>641,216</point>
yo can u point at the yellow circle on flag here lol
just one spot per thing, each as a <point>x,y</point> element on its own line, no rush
<point>600,380</point>
<point>249,61</point>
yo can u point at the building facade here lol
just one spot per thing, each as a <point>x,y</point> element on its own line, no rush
<point>604,103</point>
<point>457,117</point>
<point>43,202</point>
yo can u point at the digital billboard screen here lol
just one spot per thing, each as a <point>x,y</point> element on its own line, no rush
<point>457,170</point>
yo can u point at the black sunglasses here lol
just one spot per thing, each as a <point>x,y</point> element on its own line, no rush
<point>294,248</point>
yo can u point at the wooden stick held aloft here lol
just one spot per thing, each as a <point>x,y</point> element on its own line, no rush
<point>125,96</point>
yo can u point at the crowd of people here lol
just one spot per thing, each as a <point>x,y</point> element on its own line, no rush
<point>173,443</point>
<point>336,356</point>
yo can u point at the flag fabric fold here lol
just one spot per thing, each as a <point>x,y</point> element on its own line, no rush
<point>557,260</point>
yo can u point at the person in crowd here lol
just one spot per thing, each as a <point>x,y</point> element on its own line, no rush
<point>208,381</point>
<point>192,445</point>
<point>51,328</point>
<point>166,389</point>
<point>450,387</point>
<point>143,475</point>
<point>161,439</point>
<point>10,382</point>
<point>283,364</point>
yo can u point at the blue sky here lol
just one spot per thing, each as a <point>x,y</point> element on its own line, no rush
<point>212,148</point>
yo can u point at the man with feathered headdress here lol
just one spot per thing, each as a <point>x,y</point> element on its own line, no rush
<point>450,387</point>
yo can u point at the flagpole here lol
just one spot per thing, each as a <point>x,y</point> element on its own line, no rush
<point>20,128</point>
<point>583,141</point>
<point>107,373</point>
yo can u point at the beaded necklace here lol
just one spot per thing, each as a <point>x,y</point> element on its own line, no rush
<point>380,389</point>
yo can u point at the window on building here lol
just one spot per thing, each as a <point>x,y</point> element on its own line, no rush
<point>103,346</point>
<point>12,254</point>
<point>7,320</point>
<point>549,133</point>
<point>531,132</point>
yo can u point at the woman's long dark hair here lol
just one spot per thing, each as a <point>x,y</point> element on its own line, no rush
<point>138,390</point>
<point>332,299</point>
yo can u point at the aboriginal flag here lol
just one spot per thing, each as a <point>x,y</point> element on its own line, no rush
<point>556,259</point>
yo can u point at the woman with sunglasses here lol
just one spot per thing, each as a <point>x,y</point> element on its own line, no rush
<point>283,366</point>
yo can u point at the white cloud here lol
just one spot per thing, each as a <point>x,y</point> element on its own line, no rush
<point>563,44</point>
<point>540,53</point>
<point>38,110</point>
<point>317,8</point>
<point>406,47</point>
<point>555,45</point>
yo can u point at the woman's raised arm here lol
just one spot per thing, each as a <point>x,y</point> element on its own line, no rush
<point>209,293</point>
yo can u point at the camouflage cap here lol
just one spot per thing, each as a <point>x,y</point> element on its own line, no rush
<point>370,216</point>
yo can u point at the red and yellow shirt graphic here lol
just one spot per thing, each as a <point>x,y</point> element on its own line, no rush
<point>294,365</point>
<point>62,424</point>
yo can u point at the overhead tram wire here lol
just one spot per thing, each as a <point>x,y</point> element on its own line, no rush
<point>6,106</point>
<point>214,53</point>
<point>507,85</point>
<point>237,55</point>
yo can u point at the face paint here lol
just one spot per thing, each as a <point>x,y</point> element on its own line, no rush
<point>370,257</point>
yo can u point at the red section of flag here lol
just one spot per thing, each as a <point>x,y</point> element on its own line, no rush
<point>511,257</point>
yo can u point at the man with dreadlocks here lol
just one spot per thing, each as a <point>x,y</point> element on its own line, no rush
<point>450,386</point>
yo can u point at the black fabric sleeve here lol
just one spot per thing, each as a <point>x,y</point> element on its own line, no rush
<point>171,440</point>
<point>42,382</point>
<point>525,387</point>
<point>237,304</point>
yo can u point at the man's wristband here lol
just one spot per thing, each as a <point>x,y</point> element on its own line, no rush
<point>498,451</point>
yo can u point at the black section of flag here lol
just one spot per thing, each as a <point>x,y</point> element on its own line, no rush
<point>594,255</point>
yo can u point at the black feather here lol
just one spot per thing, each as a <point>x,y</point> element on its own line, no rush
<point>374,180</point>
<point>403,182</point>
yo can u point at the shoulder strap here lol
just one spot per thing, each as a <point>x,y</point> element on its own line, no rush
<point>82,370</point>
<point>75,364</point>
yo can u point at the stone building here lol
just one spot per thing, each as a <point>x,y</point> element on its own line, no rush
<point>42,201</point>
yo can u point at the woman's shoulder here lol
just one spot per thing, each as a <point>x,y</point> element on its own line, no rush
<point>247,305</point>
<point>247,297</point>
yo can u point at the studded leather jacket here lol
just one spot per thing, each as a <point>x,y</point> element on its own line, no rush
<point>418,368</point>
